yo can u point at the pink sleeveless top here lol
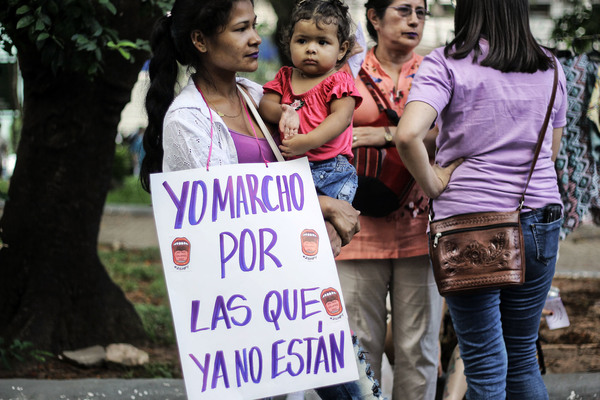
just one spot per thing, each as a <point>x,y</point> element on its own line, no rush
<point>247,150</point>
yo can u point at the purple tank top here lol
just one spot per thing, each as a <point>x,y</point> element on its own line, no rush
<point>247,150</point>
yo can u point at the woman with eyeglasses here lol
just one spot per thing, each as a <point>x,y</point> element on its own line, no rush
<point>489,90</point>
<point>389,255</point>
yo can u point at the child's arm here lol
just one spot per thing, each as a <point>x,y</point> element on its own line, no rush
<point>270,107</point>
<point>336,122</point>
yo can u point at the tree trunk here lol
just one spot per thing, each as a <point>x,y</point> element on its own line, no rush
<point>54,291</point>
<point>283,9</point>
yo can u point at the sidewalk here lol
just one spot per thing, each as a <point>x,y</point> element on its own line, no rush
<point>560,387</point>
<point>127,226</point>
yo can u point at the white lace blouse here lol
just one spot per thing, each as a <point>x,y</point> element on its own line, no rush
<point>186,131</point>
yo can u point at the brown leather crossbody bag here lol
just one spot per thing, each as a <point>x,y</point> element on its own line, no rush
<point>482,250</point>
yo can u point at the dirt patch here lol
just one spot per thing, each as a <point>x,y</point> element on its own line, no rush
<point>577,347</point>
<point>164,363</point>
<point>573,349</point>
<point>566,350</point>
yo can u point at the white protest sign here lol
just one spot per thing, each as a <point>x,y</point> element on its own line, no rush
<point>254,292</point>
<point>355,62</point>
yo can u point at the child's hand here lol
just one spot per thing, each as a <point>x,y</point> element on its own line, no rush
<point>289,121</point>
<point>296,145</point>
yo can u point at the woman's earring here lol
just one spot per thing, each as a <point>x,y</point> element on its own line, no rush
<point>198,44</point>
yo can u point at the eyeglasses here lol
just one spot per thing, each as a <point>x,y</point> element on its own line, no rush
<point>406,11</point>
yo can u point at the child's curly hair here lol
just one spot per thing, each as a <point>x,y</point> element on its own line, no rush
<point>321,12</point>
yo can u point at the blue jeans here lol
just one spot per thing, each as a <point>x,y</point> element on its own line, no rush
<point>497,328</point>
<point>335,178</point>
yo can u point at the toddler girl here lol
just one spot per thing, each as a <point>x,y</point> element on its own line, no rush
<point>313,102</point>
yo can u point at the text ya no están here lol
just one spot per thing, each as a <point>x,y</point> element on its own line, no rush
<point>293,357</point>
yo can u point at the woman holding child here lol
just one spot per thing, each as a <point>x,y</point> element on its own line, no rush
<point>217,39</point>
<point>209,122</point>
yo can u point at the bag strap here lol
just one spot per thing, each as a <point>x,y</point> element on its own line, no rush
<point>378,96</point>
<point>374,90</point>
<point>542,134</point>
<point>261,124</point>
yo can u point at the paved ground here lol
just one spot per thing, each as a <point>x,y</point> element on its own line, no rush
<point>560,387</point>
<point>564,386</point>
<point>133,227</point>
<point>129,227</point>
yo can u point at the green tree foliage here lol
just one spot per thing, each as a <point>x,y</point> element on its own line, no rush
<point>70,34</point>
<point>579,28</point>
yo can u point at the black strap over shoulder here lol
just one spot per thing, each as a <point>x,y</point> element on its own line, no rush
<point>381,101</point>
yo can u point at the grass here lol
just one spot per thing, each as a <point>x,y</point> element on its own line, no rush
<point>130,192</point>
<point>3,189</point>
<point>19,351</point>
<point>139,273</point>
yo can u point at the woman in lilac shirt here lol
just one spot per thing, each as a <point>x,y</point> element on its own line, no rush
<point>488,91</point>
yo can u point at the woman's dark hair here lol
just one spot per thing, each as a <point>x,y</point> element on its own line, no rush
<point>171,43</point>
<point>505,25</point>
<point>380,7</point>
<point>322,13</point>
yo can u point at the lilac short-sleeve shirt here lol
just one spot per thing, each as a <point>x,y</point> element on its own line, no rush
<point>491,119</point>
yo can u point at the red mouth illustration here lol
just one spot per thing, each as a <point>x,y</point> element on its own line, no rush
<point>332,302</point>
